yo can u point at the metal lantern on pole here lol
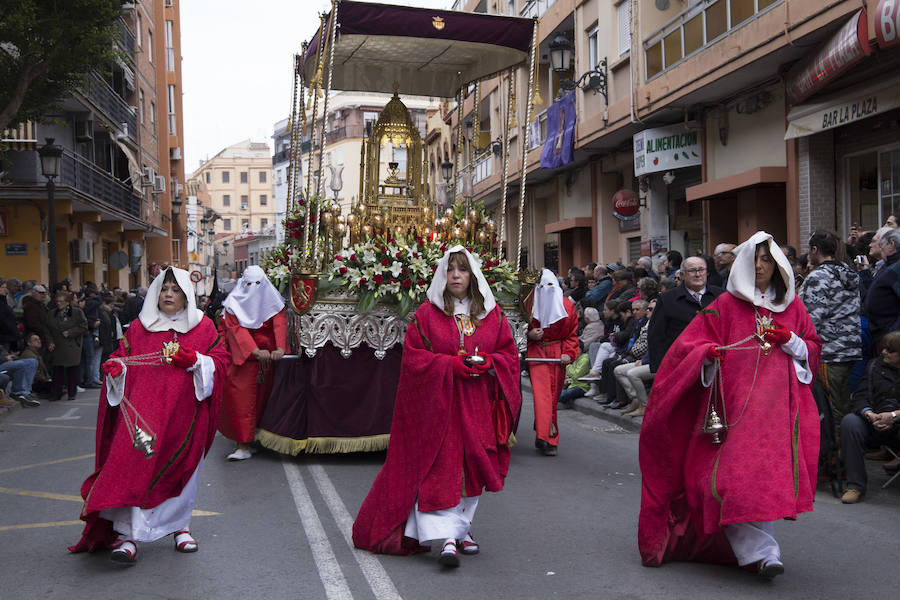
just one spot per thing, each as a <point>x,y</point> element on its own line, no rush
<point>50,155</point>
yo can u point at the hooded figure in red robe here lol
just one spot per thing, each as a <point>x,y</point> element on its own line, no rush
<point>255,327</point>
<point>744,362</point>
<point>553,334</point>
<point>452,418</point>
<point>156,421</point>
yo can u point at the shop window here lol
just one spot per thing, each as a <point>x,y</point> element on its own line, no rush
<point>863,189</point>
<point>890,185</point>
<point>693,34</point>
<point>716,20</point>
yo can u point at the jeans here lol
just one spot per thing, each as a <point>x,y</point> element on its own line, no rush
<point>570,394</point>
<point>90,361</point>
<point>22,373</point>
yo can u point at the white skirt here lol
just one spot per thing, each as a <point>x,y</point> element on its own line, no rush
<point>449,523</point>
<point>149,524</point>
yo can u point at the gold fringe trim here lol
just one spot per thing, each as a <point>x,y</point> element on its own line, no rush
<point>322,445</point>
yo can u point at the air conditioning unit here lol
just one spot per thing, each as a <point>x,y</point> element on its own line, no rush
<point>175,153</point>
<point>84,131</point>
<point>82,251</point>
<point>159,184</point>
<point>148,176</point>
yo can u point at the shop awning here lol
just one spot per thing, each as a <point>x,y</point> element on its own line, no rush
<point>427,52</point>
<point>747,179</point>
<point>22,137</point>
<point>844,108</point>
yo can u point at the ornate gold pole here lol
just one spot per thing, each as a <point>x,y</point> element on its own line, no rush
<point>331,40</point>
<point>459,145</point>
<point>526,141</point>
<point>508,125</point>
<point>291,127</point>
<point>317,82</point>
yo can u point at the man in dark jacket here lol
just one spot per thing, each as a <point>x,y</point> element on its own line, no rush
<point>34,315</point>
<point>831,295</point>
<point>882,304</point>
<point>875,416</point>
<point>675,309</point>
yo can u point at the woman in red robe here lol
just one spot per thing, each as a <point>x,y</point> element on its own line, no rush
<point>156,421</point>
<point>553,334</point>
<point>255,327</point>
<point>452,419</point>
<point>749,357</point>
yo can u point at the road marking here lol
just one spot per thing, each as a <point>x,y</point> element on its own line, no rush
<point>48,495</point>
<point>49,462</point>
<point>52,426</point>
<point>36,525</point>
<point>374,572</point>
<point>68,416</point>
<point>330,573</point>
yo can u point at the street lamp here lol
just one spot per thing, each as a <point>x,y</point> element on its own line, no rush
<point>561,52</point>
<point>447,171</point>
<point>50,155</point>
<point>176,206</point>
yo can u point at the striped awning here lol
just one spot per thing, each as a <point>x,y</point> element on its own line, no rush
<point>22,137</point>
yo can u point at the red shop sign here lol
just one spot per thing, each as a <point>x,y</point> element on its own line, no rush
<point>848,46</point>
<point>626,205</point>
<point>887,23</point>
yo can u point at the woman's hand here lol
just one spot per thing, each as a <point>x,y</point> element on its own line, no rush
<point>565,359</point>
<point>261,355</point>
<point>536,334</point>
<point>461,369</point>
<point>185,358</point>
<point>778,334</point>
<point>276,354</point>
<point>113,368</point>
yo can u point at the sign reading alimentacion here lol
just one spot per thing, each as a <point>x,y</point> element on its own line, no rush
<point>667,148</point>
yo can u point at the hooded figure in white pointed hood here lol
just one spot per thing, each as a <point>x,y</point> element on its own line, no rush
<point>552,338</point>
<point>254,322</point>
<point>741,369</point>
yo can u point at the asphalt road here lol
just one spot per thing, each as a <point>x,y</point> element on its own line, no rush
<point>278,527</point>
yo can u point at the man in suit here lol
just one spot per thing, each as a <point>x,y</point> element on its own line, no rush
<point>675,309</point>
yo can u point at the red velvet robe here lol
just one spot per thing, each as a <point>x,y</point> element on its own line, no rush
<point>165,398</point>
<point>547,379</point>
<point>446,431</point>
<point>244,399</point>
<point>766,468</point>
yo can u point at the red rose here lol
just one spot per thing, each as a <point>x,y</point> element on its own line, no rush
<point>492,280</point>
<point>343,270</point>
<point>404,271</point>
<point>415,255</point>
<point>353,257</point>
<point>363,281</point>
<point>301,202</point>
<point>398,255</point>
<point>421,282</point>
<point>407,283</point>
<point>378,279</point>
<point>393,281</point>
<point>384,262</point>
<point>339,258</point>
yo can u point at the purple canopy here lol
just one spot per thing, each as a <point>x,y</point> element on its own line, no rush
<point>426,52</point>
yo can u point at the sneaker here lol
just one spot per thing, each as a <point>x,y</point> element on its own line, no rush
<point>26,399</point>
<point>79,389</point>
<point>239,454</point>
<point>449,556</point>
<point>851,496</point>
<point>593,391</point>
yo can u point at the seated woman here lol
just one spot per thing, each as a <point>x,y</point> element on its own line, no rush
<point>452,419</point>
<point>875,419</point>
<point>156,422</point>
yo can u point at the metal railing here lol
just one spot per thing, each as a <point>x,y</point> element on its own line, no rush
<point>348,131</point>
<point>535,8</point>
<point>281,156</point>
<point>90,179</point>
<point>107,101</point>
<point>697,27</point>
<point>484,168</point>
<point>126,38</point>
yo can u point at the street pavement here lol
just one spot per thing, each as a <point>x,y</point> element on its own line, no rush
<point>279,527</point>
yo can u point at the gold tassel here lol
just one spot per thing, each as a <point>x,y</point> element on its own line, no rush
<point>536,98</point>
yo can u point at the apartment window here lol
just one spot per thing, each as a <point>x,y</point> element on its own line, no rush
<point>149,45</point>
<point>226,224</point>
<point>593,49</point>
<point>263,200</point>
<point>207,177</point>
<point>226,176</point>
<point>153,113</point>
<point>170,51</point>
<point>245,201</point>
<point>141,109</point>
<point>139,25</point>
<point>245,224</point>
<point>172,118</point>
<point>263,223</point>
<point>226,200</point>
<point>623,24</point>
<point>511,7</point>
<point>262,176</point>
<point>243,176</point>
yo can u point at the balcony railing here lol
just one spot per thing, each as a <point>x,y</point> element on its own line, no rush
<point>85,177</point>
<point>281,156</point>
<point>696,28</point>
<point>484,168</point>
<point>126,38</point>
<point>113,107</point>
<point>341,133</point>
<point>536,8</point>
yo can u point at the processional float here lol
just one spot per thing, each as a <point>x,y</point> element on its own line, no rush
<point>353,279</point>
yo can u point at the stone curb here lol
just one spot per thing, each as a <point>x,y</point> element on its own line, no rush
<point>589,406</point>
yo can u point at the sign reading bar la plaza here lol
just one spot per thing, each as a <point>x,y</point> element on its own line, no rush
<point>666,148</point>
<point>842,110</point>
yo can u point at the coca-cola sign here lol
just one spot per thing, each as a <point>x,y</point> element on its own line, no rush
<point>887,23</point>
<point>626,205</point>
<point>848,46</point>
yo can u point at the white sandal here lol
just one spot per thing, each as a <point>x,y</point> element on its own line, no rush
<point>125,554</point>
<point>449,557</point>
<point>185,542</point>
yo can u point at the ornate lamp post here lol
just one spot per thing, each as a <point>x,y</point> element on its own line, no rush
<point>50,155</point>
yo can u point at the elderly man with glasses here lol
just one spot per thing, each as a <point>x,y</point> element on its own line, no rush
<point>676,307</point>
<point>882,304</point>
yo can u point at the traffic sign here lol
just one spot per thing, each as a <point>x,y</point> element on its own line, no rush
<point>196,276</point>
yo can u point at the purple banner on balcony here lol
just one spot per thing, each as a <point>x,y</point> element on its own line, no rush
<point>560,142</point>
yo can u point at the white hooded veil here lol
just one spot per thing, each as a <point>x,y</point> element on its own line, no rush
<point>435,293</point>
<point>742,278</point>
<point>548,306</point>
<point>254,300</point>
<point>155,320</point>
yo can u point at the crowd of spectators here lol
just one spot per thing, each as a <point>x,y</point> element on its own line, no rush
<point>630,316</point>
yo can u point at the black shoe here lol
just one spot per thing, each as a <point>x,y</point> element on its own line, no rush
<point>604,401</point>
<point>549,450</point>
<point>540,444</point>
<point>891,467</point>
<point>26,399</point>
<point>92,386</point>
